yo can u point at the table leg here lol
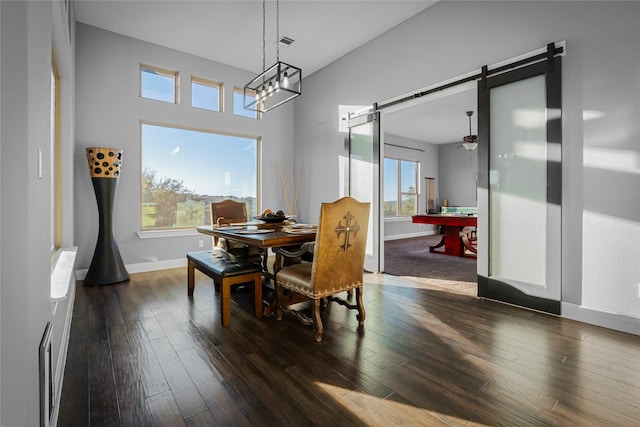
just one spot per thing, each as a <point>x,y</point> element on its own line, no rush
<point>453,244</point>
<point>439,245</point>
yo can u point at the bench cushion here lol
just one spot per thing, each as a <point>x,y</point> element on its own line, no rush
<point>223,264</point>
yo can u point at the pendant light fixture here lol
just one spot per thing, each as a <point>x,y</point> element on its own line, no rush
<point>276,85</point>
<point>470,142</point>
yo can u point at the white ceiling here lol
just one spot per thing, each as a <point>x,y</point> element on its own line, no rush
<point>441,119</point>
<point>230,32</point>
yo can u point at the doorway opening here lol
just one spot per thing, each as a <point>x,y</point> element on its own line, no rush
<point>431,131</point>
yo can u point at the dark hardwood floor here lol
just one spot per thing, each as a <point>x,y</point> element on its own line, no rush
<point>144,354</point>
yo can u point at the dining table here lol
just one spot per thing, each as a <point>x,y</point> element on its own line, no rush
<point>265,235</point>
<point>455,241</point>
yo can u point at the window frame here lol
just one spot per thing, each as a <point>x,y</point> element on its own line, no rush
<point>240,91</point>
<point>167,231</point>
<point>212,84</point>
<point>56,158</point>
<point>399,193</point>
<point>163,72</point>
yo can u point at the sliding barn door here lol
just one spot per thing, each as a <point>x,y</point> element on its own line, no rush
<point>364,178</point>
<point>519,203</point>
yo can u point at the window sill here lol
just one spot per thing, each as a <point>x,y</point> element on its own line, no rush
<point>398,219</point>
<point>62,271</point>
<point>156,234</point>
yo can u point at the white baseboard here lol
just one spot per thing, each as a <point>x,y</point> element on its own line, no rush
<point>144,267</point>
<point>613,321</point>
<point>410,235</point>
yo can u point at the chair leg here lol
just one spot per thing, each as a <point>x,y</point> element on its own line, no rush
<point>190,278</point>
<point>225,302</point>
<point>317,321</point>
<point>257,294</point>
<point>361,313</point>
<point>279,313</point>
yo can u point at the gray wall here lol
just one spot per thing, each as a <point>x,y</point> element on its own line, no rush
<point>28,32</point>
<point>458,175</point>
<point>108,114</point>
<point>600,226</point>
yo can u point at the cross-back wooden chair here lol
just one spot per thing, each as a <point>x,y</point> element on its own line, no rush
<point>337,266</point>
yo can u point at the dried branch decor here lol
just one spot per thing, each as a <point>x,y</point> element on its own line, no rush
<point>291,192</point>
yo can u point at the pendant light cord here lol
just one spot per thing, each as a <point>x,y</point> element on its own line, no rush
<point>264,42</point>
<point>264,33</point>
<point>277,30</point>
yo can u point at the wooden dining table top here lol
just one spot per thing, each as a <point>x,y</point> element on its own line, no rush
<point>278,235</point>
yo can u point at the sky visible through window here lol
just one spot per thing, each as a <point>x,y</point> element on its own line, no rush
<point>390,189</point>
<point>155,85</point>
<point>238,105</point>
<point>204,96</point>
<point>207,163</point>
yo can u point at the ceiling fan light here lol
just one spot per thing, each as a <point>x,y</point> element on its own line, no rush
<point>470,142</point>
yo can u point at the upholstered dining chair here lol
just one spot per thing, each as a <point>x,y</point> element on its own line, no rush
<point>337,266</point>
<point>226,212</point>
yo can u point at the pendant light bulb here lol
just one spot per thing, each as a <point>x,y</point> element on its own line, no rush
<point>285,80</point>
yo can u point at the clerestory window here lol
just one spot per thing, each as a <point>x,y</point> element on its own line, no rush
<point>159,84</point>
<point>206,94</point>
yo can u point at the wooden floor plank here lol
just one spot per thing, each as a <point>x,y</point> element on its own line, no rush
<point>182,387</point>
<point>210,385</point>
<point>132,400</point>
<point>164,410</point>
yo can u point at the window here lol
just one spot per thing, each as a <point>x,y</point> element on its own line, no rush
<point>159,84</point>
<point>54,162</point>
<point>206,94</point>
<point>183,171</point>
<point>238,104</point>
<point>400,187</point>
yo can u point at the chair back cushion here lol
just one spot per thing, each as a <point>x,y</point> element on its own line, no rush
<point>341,239</point>
<point>230,210</point>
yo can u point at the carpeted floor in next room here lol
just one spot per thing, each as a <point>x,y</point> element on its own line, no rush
<point>411,258</point>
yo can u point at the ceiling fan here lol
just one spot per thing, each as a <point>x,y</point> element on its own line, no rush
<point>470,142</point>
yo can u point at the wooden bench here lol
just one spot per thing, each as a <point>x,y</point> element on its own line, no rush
<point>226,270</point>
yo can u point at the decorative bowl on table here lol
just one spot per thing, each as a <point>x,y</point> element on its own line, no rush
<point>272,219</point>
<point>269,216</point>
